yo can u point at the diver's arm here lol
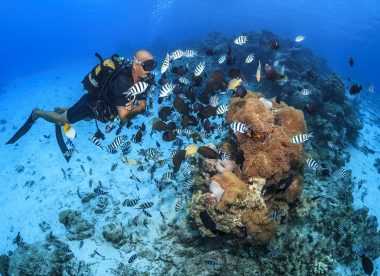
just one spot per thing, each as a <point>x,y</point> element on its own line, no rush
<point>128,112</point>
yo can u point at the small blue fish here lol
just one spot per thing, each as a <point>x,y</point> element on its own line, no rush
<point>273,255</point>
<point>278,214</point>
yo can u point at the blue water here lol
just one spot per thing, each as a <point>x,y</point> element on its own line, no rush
<point>36,35</point>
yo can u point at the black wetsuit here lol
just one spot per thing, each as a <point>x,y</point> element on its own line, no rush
<point>104,109</point>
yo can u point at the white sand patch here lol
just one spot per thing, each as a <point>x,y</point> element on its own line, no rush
<point>38,192</point>
<point>362,165</point>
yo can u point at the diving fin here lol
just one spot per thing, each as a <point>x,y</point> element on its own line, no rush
<point>65,151</point>
<point>22,130</point>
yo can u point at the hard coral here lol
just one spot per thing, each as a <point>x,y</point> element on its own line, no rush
<point>261,228</point>
<point>234,189</point>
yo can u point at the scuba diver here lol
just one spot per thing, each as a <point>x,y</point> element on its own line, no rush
<point>116,89</point>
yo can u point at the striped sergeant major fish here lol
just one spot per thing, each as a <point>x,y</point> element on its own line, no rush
<point>145,205</point>
<point>166,90</point>
<point>96,142</point>
<point>186,131</point>
<point>301,138</point>
<point>167,175</point>
<point>114,166</point>
<point>222,109</point>
<point>188,184</point>
<point>178,205</point>
<point>146,213</point>
<point>166,63</point>
<point>214,101</point>
<point>299,38</point>
<point>136,89</point>
<point>133,258</point>
<point>111,150</point>
<point>172,154</point>
<point>126,147</point>
<point>131,202</point>
<point>160,163</point>
<point>241,40</point>
<point>225,156</point>
<point>312,164</point>
<point>305,91</point>
<point>250,58</point>
<point>239,127</point>
<point>199,68</point>
<point>71,144</point>
<point>99,191</point>
<point>190,53</point>
<point>177,54</point>
<point>189,169</point>
<point>222,59</point>
<point>343,172</point>
<point>184,80</point>
<point>117,142</point>
<point>153,154</point>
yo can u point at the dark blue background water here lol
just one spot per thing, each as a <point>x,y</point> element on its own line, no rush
<point>37,35</point>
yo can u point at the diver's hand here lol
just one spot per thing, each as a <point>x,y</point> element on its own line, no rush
<point>129,106</point>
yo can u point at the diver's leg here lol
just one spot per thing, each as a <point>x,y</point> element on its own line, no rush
<point>53,117</point>
<point>60,110</point>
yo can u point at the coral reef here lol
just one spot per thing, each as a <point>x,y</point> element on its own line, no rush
<point>4,265</point>
<point>49,257</point>
<point>260,226</point>
<point>114,233</point>
<point>276,158</point>
<point>323,266</point>
<point>77,227</point>
<point>241,202</point>
<point>269,215</point>
<point>236,207</point>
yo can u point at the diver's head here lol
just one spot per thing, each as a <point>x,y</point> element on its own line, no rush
<point>143,63</point>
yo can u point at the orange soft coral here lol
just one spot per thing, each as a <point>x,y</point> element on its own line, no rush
<point>260,227</point>
<point>233,186</point>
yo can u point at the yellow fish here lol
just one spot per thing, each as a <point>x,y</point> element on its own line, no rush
<point>234,83</point>
<point>191,150</point>
<point>258,72</point>
<point>69,131</point>
<point>166,64</point>
<point>131,162</point>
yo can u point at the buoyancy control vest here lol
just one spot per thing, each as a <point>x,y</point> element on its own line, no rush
<point>97,80</point>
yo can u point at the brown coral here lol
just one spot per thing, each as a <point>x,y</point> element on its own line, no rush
<point>276,157</point>
<point>271,169</point>
<point>294,191</point>
<point>292,120</point>
<point>251,112</point>
<point>261,228</point>
<point>234,189</point>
